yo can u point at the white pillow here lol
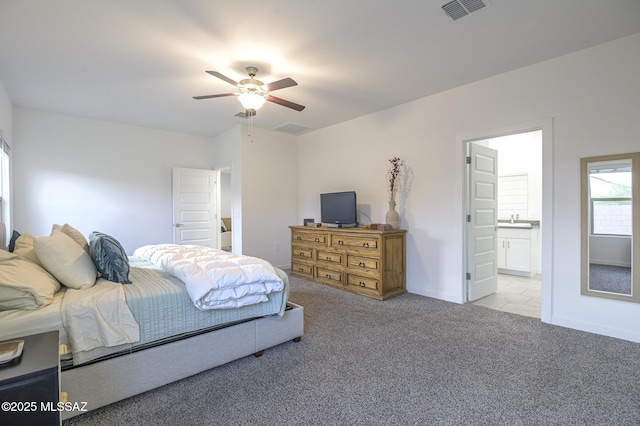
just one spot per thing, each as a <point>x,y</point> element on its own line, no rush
<point>74,234</point>
<point>66,260</point>
<point>23,284</point>
<point>24,248</point>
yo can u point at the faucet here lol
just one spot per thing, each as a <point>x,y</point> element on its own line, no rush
<point>517,216</point>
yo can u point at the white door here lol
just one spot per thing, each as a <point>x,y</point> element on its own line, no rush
<point>194,207</point>
<point>482,272</point>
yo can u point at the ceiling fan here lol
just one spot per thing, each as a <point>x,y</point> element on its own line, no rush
<point>253,93</point>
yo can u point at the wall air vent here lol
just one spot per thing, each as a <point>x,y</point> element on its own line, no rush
<point>457,9</point>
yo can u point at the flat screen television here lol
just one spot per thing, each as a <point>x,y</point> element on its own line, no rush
<point>339,209</point>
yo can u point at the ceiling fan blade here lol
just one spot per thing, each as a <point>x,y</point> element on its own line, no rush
<point>280,84</point>
<point>222,77</point>
<point>214,96</point>
<point>285,103</point>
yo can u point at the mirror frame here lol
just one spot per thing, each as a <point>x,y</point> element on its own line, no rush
<point>635,227</point>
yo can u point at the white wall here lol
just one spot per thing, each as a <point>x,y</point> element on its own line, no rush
<point>269,194</point>
<point>6,114</point>
<point>225,195</point>
<point>99,176</point>
<point>264,190</point>
<point>226,147</point>
<point>610,250</point>
<point>593,97</point>
<point>518,154</point>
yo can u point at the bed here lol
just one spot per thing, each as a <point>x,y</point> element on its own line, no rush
<point>170,338</point>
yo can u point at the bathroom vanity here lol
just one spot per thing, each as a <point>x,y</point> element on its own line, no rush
<point>518,244</point>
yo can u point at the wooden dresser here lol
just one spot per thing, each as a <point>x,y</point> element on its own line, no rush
<point>363,261</point>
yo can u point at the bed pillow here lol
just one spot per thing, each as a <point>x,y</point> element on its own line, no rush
<point>23,284</point>
<point>24,247</point>
<point>110,257</point>
<point>74,234</point>
<point>63,258</point>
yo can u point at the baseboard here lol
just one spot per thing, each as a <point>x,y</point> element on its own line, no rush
<point>630,335</point>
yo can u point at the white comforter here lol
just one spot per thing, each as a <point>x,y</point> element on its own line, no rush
<point>215,279</point>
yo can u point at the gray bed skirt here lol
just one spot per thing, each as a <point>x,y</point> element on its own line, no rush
<point>114,379</point>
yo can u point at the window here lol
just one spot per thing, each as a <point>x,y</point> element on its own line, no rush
<point>5,190</point>
<point>610,191</point>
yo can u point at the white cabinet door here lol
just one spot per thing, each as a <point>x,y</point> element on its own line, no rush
<point>502,253</point>
<point>519,254</point>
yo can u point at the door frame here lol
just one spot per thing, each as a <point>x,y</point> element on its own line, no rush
<point>546,126</point>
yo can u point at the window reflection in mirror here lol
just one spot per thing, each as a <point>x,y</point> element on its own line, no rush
<point>610,231</point>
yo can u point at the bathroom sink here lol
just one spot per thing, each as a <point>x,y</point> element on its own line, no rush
<point>514,225</point>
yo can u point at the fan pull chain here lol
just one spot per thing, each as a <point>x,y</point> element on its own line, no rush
<point>251,127</point>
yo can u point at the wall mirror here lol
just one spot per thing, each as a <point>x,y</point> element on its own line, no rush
<point>610,220</point>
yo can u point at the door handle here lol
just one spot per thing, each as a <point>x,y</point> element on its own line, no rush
<point>177,225</point>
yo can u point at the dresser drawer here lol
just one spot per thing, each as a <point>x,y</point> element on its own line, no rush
<point>302,269</point>
<point>354,241</point>
<point>329,275</point>
<point>362,262</point>
<point>363,282</point>
<point>309,237</point>
<point>301,252</point>
<point>328,256</point>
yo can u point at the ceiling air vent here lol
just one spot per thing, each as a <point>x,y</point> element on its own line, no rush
<point>457,9</point>
<point>293,128</point>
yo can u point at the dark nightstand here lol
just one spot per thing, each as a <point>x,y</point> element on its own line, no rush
<point>30,387</point>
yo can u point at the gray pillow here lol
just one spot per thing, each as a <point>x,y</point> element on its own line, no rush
<point>12,242</point>
<point>110,258</point>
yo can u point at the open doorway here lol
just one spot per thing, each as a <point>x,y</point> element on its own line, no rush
<point>226,241</point>
<point>225,212</point>
<point>509,244</point>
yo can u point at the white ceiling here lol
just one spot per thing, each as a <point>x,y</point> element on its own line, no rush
<point>141,61</point>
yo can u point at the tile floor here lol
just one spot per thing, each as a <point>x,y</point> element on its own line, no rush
<point>518,295</point>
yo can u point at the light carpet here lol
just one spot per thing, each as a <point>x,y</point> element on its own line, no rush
<point>409,360</point>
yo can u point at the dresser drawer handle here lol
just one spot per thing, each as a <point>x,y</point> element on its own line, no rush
<point>301,254</point>
<point>298,237</point>
<point>317,240</point>
<point>365,244</point>
<point>362,264</point>
<point>341,242</point>
<point>361,284</point>
<point>328,276</point>
<point>301,269</point>
<point>328,258</point>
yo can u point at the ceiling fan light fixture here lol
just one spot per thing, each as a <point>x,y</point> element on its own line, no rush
<point>252,100</point>
<point>253,93</point>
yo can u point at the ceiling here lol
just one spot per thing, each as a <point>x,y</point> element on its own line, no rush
<point>141,62</point>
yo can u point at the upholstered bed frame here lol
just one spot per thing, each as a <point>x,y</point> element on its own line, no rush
<point>114,379</point>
